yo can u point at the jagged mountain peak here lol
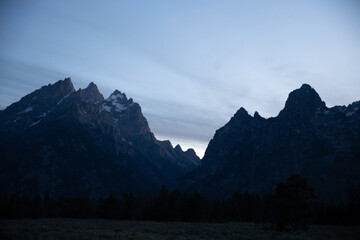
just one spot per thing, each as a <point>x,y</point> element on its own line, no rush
<point>91,94</point>
<point>118,102</point>
<point>71,146</point>
<point>191,151</point>
<point>188,155</point>
<point>39,101</point>
<point>91,85</point>
<point>321,144</point>
<point>65,85</point>
<point>92,89</point>
<point>178,147</point>
<point>118,96</point>
<point>241,113</point>
<point>67,80</point>
<point>303,100</point>
<point>306,87</point>
<point>241,116</point>
<point>257,115</point>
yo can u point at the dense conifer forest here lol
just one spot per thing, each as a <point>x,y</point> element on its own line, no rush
<point>292,205</point>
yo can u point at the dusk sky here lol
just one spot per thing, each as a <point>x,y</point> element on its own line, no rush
<point>189,64</point>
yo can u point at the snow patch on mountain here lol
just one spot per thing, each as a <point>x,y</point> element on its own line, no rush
<point>118,95</point>
<point>28,109</point>
<point>43,115</point>
<point>119,107</point>
<point>59,102</point>
<point>117,101</point>
<point>106,108</point>
<point>34,123</point>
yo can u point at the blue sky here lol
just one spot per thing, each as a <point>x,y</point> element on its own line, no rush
<point>190,64</point>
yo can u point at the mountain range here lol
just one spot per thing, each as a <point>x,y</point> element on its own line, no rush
<point>253,154</point>
<point>64,142</point>
<point>69,142</point>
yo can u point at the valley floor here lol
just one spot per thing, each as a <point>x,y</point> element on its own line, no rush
<point>113,229</point>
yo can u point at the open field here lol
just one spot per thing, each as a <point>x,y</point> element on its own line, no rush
<point>112,229</point>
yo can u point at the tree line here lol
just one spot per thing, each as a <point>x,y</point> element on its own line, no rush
<point>292,205</point>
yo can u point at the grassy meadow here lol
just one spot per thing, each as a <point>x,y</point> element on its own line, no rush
<point>112,229</point>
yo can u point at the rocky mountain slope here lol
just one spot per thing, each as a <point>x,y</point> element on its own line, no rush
<point>74,143</point>
<point>251,153</point>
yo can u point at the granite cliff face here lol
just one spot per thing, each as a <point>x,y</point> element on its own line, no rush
<point>73,143</point>
<point>253,153</point>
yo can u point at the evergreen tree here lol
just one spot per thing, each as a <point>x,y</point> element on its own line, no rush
<point>293,202</point>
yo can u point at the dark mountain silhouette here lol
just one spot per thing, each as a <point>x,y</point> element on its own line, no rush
<point>76,143</point>
<point>253,153</point>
